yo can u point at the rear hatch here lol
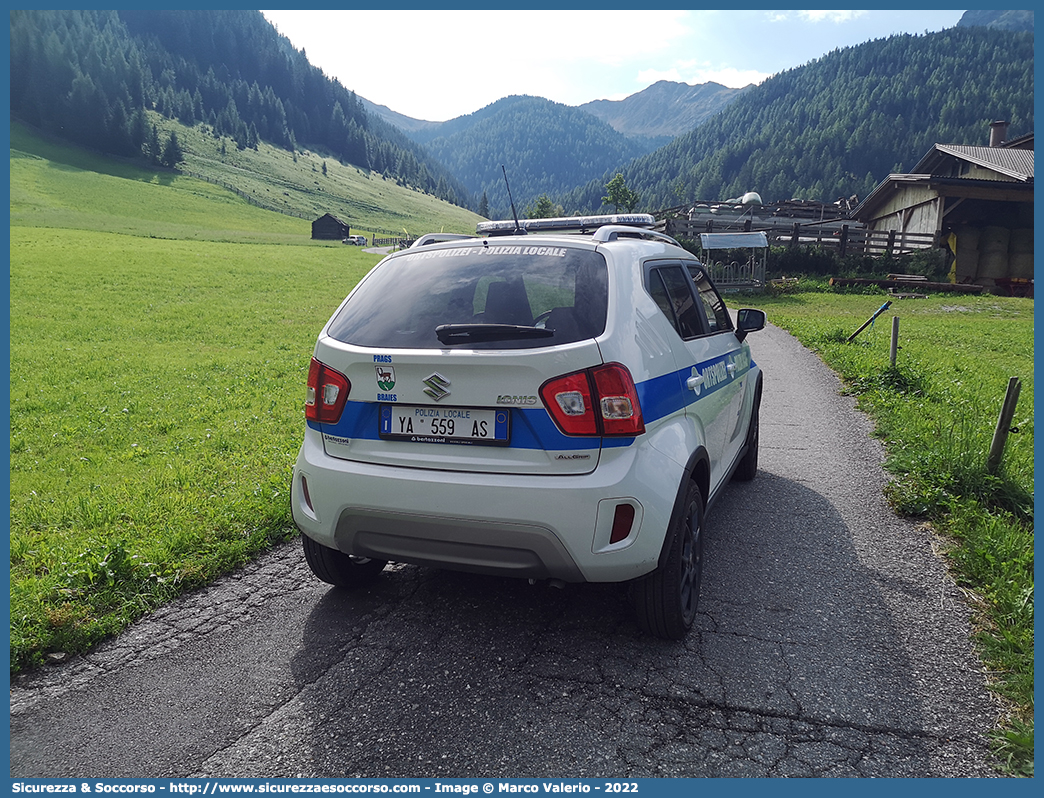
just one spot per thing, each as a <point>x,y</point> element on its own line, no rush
<point>445,351</point>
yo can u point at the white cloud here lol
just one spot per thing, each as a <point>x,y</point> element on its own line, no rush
<point>837,17</point>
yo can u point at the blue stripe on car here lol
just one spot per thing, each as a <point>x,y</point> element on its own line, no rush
<point>533,428</point>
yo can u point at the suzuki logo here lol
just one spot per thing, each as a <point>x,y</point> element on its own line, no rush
<point>436,386</point>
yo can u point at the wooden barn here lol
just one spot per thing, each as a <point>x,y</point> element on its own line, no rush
<point>329,228</point>
<point>977,201</point>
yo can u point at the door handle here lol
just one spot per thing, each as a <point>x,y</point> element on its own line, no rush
<point>695,382</point>
<point>731,368</point>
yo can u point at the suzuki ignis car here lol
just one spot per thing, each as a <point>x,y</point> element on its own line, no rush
<point>554,399</point>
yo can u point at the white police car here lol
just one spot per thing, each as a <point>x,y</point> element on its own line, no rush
<point>533,403</point>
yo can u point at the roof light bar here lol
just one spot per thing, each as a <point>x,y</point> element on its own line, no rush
<point>581,223</point>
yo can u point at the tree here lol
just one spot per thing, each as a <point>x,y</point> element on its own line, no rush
<point>544,208</point>
<point>619,195</point>
<point>172,154</point>
<point>483,208</point>
<point>152,145</point>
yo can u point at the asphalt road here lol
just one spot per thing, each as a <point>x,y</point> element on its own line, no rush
<point>830,642</point>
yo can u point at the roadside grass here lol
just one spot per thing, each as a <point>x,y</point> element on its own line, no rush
<point>936,411</point>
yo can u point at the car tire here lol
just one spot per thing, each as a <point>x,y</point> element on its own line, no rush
<point>665,601</point>
<point>340,569</point>
<point>747,468</point>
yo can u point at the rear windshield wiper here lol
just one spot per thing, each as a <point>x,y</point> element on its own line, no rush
<point>475,333</point>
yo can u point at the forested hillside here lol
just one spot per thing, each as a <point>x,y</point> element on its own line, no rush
<point>837,126</point>
<point>546,147</point>
<point>832,128</point>
<point>88,76</point>
<point>549,148</point>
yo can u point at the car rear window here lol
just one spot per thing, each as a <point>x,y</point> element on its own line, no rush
<point>406,298</point>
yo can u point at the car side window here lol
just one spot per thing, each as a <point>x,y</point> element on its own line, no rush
<point>669,286</point>
<point>713,308</point>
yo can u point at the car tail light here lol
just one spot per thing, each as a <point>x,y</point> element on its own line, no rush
<point>618,399</point>
<point>326,395</point>
<point>598,401</point>
<point>568,400</point>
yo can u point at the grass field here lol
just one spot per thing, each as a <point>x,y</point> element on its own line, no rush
<point>59,186</point>
<point>160,334</point>
<point>156,408</point>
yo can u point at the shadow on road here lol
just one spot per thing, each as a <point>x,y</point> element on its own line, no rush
<point>437,673</point>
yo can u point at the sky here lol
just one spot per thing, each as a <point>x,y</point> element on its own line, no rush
<point>438,65</point>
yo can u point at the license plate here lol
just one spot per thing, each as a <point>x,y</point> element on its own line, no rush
<point>466,425</point>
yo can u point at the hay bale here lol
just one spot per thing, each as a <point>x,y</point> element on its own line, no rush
<point>993,254</point>
<point>966,263</point>
<point>1021,265</point>
<point>995,239</point>
<point>1021,240</point>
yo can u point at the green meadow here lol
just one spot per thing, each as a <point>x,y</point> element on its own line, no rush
<point>156,402</point>
<point>160,334</point>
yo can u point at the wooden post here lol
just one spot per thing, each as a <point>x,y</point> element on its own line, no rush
<point>891,241</point>
<point>794,236</point>
<point>895,339</point>
<point>870,321</point>
<point>1000,435</point>
<point>844,240</point>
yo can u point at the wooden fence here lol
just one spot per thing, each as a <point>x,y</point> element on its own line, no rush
<point>268,206</point>
<point>857,241</point>
<point>842,238</point>
<point>400,242</point>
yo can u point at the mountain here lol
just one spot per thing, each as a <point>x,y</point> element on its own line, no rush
<point>405,123</point>
<point>426,132</point>
<point>1005,20</point>
<point>549,147</point>
<point>664,110</point>
<point>831,128</point>
<point>546,148</point>
<point>838,125</point>
<point>658,113</point>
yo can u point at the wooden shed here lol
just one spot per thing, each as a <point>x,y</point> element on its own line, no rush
<point>977,201</point>
<point>329,228</point>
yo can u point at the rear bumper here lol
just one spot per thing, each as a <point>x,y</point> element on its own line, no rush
<point>537,527</point>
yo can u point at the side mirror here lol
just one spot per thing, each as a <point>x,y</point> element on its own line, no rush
<point>749,320</point>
